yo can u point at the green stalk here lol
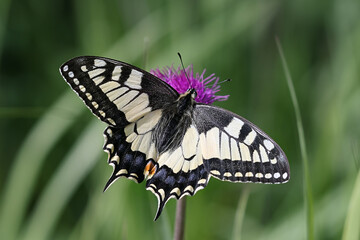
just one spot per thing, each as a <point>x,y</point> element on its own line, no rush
<point>180,219</point>
<point>306,177</point>
<point>240,213</point>
<point>352,221</point>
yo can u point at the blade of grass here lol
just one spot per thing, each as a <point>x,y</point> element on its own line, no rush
<point>34,149</point>
<point>352,221</point>
<point>330,215</point>
<point>240,213</point>
<point>69,175</point>
<point>306,177</point>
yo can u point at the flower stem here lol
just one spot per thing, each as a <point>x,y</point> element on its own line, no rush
<point>180,219</point>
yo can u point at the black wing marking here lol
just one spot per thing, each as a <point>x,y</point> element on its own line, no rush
<point>236,150</point>
<point>116,92</point>
<point>126,162</point>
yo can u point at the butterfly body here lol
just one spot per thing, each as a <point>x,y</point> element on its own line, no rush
<point>168,139</point>
<point>176,118</point>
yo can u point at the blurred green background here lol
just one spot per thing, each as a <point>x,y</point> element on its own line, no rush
<point>53,169</point>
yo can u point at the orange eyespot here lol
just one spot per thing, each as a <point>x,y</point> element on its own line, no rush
<point>150,169</point>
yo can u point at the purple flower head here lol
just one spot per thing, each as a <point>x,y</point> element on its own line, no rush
<point>205,87</point>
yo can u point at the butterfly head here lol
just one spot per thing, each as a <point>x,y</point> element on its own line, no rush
<point>186,100</point>
<point>192,93</point>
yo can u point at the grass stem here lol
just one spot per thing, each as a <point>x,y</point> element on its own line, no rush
<point>306,177</point>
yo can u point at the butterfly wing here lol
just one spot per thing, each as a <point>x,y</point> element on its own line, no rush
<point>236,150</point>
<point>127,98</point>
<point>217,143</point>
<point>221,144</point>
<point>116,92</point>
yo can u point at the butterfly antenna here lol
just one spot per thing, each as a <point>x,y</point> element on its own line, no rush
<point>182,64</point>
<point>218,83</point>
<point>224,81</point>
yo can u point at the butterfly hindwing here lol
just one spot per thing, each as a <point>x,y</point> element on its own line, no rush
<point>131,149</point>
<point>235,150</point>
<point>116,92</point>
<point>180,171</point>
<point>126,162</point>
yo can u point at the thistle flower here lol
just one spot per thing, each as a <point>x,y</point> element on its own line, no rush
<point>206,87</point>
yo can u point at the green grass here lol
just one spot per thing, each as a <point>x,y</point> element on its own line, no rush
<point>308,199</point>
<point>52,168</point>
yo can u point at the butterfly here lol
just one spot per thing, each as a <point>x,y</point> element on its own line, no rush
<point>168,139</point>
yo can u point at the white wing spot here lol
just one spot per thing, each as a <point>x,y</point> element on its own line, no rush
<point>76,81</point>
<point>276,175</point>
<point>215,172</point>
<point>102,113</point>
<point>99,63</point>
<point>82,88</point>
<point>89,96</point>
<point>111,121</point>
<point>189,188</point>
<point>190,142</point>
<point>176,191</point>
<point>98,80</point>
<point>109,131</point>
<point>250,137</point>
<point>285,175</point>
<point>148,122</point>
<point>84,68</point>
<point>137,107</point>
<point>95,104</point>
<point>110,87</point>
<point>65,68</point>
<point>71,74</point>
<point>225,146</point>
<point>129,129</point>
<point>269,145</point>
<point>234,127</point>
<point>134,80</point>
<point>162,193</point>
<point>134,175</point>
<point>96,72</point>
<point>202,181</point>
<point>268,175</point>
<point>238,174</point>
<point>235,154</point>
<point>116,73</point>
<point>264,156</point>
<point>111,147</point>
<point>249,174</point>
<point>245,153</point>
<point>259,175</point>
<point>256,157</point>
<point>227,174</point>
<point>273,161</point>
<point>211,148</point>
<point>115,159</point>
<point>145,143</point>
<point>125,99</point>
<point>122,171</point>
<point>131,137</point>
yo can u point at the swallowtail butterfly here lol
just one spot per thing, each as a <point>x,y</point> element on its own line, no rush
<point>169,140</point>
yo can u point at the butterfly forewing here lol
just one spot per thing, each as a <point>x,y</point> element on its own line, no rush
<point>235,150</point>
<point>116,92</point>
